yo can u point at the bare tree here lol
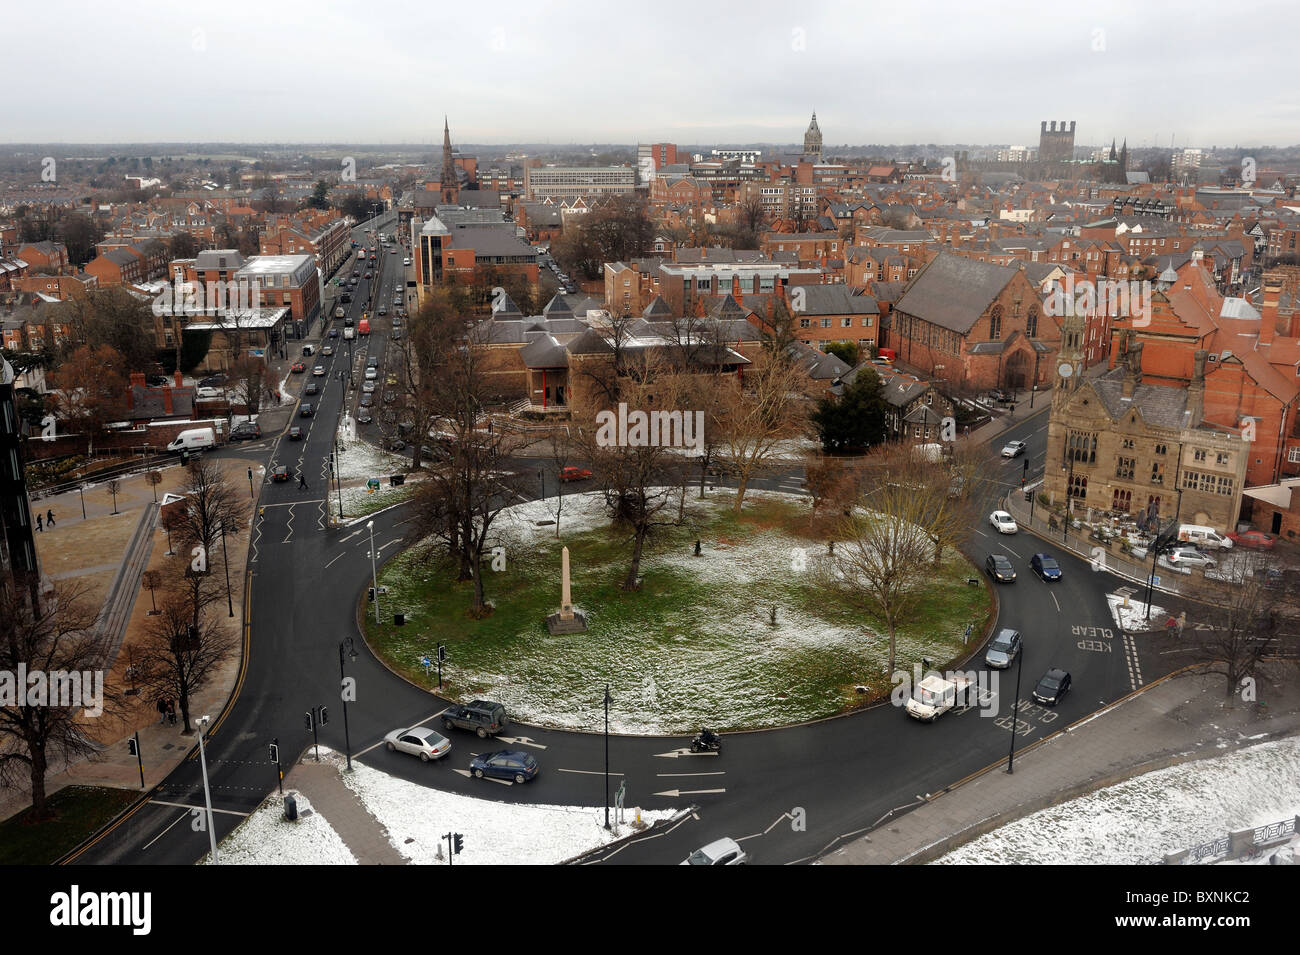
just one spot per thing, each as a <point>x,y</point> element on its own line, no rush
<point>91,390</point>
<point>55,638</point>
<point>895,535</point>
<point>212,502</point>
<point>251,383</point>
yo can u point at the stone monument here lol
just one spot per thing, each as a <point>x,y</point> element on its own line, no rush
<point>566,619</point>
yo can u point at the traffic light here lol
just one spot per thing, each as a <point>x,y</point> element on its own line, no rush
<point>372,594</point>
<point>458,842</point>
<point>131,747</point>
<point>442,653</point>
<point>274,752</point>
<point>324,716</point>
<point>307,720</point>
<point>1029,494</point>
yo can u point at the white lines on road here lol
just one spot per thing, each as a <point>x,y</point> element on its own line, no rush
<point>1009,550</point>
<point>685,751</point>
<point>179,818</point>
<point>181,805</point>
<point>327,566</point>
<point>360,753</point>
<point>290,503</point>
<point>491,779</point>
<point>589,772</point>
<point>1131,658</point>
<point>678,793</point>
<point>289,527</point>
<point>1055,601</point>
<point>666,775</point>
<point>981,533</point>
<point>359,530</point>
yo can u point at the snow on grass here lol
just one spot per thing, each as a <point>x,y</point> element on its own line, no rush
<point>1137,821</point>
<point>267,838</point>
<point>1134,617</point>
<point>359,461</point>
<point>496,833</point>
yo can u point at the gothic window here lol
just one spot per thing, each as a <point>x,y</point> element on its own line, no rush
<point>995,323</point>
<point>1031,323</point>
<point>1122,500</point>
<point>1079,487</point>
<point>1124,468</point>
<point>1157,472</point>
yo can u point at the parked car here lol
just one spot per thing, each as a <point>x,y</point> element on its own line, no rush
<point>575,474</point>
<point>1045,566</point>
<point>1000,569</point>
<point>1003,649</point>
<point>372,374</point>
<point>1013,449</point>
<point>722,852</point>
<point>372,361</point>
<point>482,716</point>
<point>305,411</point>
<point>364,417</point>
<point>245,431</point>
<point>506,764</point>
<point>298,368</point>
<point>419,741</point>
<point>1255,540</point>
<point>295,433</point>
<point>281,473</point>
<point>1003,522</point>
<point>367,400</point>
<point>368,387</point>
<point>212,381</point>
<point>1054,685</point>
<point>1189,557</point>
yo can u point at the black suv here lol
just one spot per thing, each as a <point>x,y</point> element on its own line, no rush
<point>482,716</point>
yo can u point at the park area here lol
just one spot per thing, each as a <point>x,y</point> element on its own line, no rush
<point>695,645</point>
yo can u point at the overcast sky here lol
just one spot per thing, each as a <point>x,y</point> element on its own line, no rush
<point>1198,73</point>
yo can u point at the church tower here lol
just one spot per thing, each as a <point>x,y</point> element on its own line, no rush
<point>1069,360</point>
<point>448,184</point>
<point>812,140</point>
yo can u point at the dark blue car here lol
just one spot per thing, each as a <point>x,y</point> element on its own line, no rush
<point>505,764</point>
<point>1045,566</point>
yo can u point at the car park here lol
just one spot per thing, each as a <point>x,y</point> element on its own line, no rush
<point>999,568</point>
<point>245,431</point>
<point>483,717</point>
<point>298,368</point>
<point>506,764</point>
<point>1013,449</point>
<point>721,852</point>
<point>305,411</point>
<point>280,474</point>
<point>1055,683</point>
<point>1003,649</point>
<point>295,433</point>
<point>419,741</point>
<point>1045,566</point>
<point>1253,540</point>
<point>1003,522</point>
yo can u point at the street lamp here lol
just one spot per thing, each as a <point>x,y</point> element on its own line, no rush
<point>346,646</point>
<point>608,700</point>
<point>1015,712</point>
<point>202,723</point>
<point>374,579</point>
<point>225,559</point>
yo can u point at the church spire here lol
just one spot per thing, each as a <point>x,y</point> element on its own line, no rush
<point>448,184</point>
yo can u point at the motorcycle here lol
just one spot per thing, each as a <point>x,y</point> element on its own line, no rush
<point>706,742</point>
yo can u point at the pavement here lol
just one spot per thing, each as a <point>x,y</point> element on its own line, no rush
<point>329,795</point>
<point>1179,719</point>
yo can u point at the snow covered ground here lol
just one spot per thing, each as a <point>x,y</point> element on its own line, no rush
<point>1134,616</point>
<point>416,818</point>
<point>1137,821</point>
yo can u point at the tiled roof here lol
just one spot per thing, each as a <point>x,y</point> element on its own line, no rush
<point>952,291</point>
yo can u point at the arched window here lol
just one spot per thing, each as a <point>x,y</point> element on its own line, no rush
<point>995,323</point>
<point>1031,323</point>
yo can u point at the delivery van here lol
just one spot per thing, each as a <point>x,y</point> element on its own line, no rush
<point>194,439</point>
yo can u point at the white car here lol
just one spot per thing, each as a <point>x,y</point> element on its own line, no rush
<point>406,261</point>
<point>722,852</point>
<point>1013,449</point>
<point>327,350</point>
<point>1190,557</point>
<point>1003,522</point>
<point>419,741</point>
<point>318,371</point>
<point>372,374</point>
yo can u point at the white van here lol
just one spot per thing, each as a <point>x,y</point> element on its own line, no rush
<point>349,333</point>
<point>1200,535</point>
<point>195,439</point>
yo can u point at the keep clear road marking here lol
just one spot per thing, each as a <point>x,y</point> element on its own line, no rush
<point>524,740</point>
<point>685,751</point>
<point>677,793</point>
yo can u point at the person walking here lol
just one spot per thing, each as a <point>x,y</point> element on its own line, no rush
<point>302,481</point>
<point>171,712</point>
<point>49,517</point>
<point>38,523</point>
<point>162,711</point>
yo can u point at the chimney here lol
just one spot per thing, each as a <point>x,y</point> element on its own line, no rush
<point>137,379</point>
<point>1043,127</point>
<point>735,288</point>
<point>180,379</point>
<point>1196,390</point>
<point>1133,370</point>
<point>1272,292</point>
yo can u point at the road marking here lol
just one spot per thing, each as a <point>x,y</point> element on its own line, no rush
<point>685,751</point>
<point>336,558</point>
<point>1055,601</point>
<point>981,533</point>
<point>360,530</point>
<point>491,779</point>
<point>181,805</point>
<point>525,740</point>
<point>589,772</point>
<point>1004,546</point>
<point>677,793</point>
<point>289,527</point>
<point>179,818</point>
<point>1131,658</point>
<point>718,773</point>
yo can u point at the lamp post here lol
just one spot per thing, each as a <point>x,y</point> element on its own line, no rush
<point>374,579</point>
<point>608,700</point>
<point>82,489</point>
<point>202,724</point>
<point>225,559</point>
<point>1015,712</point>
<point>346,646</point>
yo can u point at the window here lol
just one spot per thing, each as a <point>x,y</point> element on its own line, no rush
<point>1031,323</point>
<point>1122,500</point>
<point>995,323</point>
<point>1198,454</point>
<point>1224,486</point>
<point>1128,444</point>
<point>1221,458</point>
<point>1081,447</point>
<point>826,323</point>
<point>1161,449</point>
<point>1157,472</point>
<point>805,323</point>
<point>1078,487</point>
<point>846,323</point>
<point>1124,468</point>
<point>1293,455</point>
<point>866,321</point>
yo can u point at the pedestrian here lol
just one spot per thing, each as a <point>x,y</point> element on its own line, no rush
<point>171,712</point>
<point>49,517</point>
<point>38,523</point>
<point>162,711</point>
<point>302,481</point>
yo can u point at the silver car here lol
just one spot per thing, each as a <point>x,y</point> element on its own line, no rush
<point>723,852</point>
<point>1002,651</point>
<point>419,741</point>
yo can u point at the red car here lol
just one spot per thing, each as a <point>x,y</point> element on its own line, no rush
<point>575,474</point>
<point>298,368</point>
<point>1256,540</point>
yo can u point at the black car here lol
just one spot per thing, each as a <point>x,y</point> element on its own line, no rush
<point>482,716</point>
<point>305,411</point>
<point>280,474</point>
<point>367,400</point>
<point>311,389</point>
<point>1054,685</point>
<point>212,381</point>
<point>1000,569</point>
<point>247,431</point>
<point>345,298</point>
<point>295,433</point>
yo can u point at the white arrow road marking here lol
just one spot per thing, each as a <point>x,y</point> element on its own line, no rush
<point>677,793</point>
<point>525,740</point>
<point>685,751</point>
<point>718,773</point>
<point>360,530</point>
<point>588,772</point>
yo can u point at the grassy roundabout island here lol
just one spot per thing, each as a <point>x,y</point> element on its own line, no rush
<point>694,646</point>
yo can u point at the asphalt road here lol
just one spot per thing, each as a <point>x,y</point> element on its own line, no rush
<point>789,794</point>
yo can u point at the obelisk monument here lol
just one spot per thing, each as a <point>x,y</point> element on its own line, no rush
<point>567,620</point>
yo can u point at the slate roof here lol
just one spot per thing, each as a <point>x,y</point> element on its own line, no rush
<point>1159,405</point>
<point>836,299</point>
<point>952,292</point>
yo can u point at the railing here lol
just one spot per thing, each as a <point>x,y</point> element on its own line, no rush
<point>105,474</point>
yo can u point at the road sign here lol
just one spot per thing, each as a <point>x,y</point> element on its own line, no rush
<point>372,485</point>
<point>1155,581</point>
